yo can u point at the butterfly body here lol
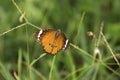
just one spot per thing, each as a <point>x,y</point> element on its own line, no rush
<point>52,41</point>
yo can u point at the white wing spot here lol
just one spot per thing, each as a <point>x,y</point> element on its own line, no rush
<point>66,42</point>
<point>39,34</point>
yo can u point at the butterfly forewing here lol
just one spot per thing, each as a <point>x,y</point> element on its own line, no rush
<point>36,35</point>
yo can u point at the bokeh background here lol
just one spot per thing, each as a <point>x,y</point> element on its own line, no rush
<point>74,18</point>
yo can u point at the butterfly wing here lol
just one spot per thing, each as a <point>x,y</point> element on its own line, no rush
<point>47,40</point>
<point>59,43</point>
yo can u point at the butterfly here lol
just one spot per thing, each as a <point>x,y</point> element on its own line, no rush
<point>51,40</point>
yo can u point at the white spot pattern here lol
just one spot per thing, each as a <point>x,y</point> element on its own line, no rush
<point>66,42</point>
<point>39,34</point>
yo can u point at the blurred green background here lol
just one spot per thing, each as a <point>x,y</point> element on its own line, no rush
<point>75,18</point>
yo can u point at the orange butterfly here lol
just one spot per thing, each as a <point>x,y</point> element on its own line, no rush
<point>51,40</point>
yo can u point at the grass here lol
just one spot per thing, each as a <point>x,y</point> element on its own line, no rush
<point>23,59</point>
